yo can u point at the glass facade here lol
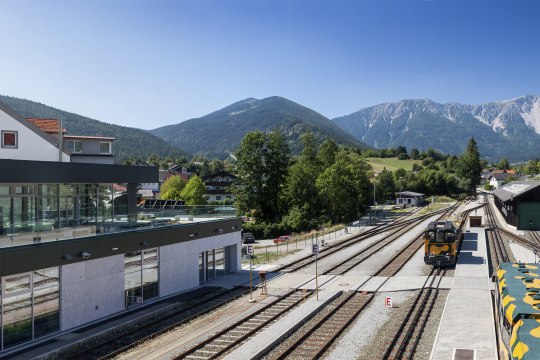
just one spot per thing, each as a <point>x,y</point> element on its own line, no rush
<point>141,280</point>
<point>45,207</point>
<point>30,305</point>
<point>214,263</point>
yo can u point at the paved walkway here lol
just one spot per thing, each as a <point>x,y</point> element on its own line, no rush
<point>467,322</point>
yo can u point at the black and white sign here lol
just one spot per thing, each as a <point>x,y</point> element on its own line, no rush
<point>250,250</point>
<point>315,249</point>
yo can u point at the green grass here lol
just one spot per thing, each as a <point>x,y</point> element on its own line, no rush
<point>391,163</point>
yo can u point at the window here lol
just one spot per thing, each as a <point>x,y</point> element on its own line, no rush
<point>218,197</point>
<point>75,146</point>
<point>104,147</point>
<point>9,139</point>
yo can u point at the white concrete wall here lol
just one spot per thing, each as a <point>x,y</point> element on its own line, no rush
<point>31,146</point>
<point>90,284</point>
<point>179,263</point>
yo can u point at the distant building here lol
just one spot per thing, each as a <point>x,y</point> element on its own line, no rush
<point>217,186</point>
<point>409,198</point>
<point>519,203</point>
<point>498,177</point>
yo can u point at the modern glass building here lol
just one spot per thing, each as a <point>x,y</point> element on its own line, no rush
<point>75,247</point>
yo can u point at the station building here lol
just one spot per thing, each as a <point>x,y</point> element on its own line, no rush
<point>519,204</point>
<point>75,247</point>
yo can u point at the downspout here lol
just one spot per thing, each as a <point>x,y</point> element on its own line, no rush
<point>60,145</point>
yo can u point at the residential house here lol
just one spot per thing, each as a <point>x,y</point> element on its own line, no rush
<point>217,186</point>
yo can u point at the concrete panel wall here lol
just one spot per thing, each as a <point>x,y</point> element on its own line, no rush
<point>179,263</point>
<point>91,290</point>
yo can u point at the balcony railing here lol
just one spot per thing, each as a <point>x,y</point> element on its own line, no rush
<point>23,232</point>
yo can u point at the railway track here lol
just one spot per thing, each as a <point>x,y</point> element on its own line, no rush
<point>155,327</point>
<point>497,248</point>
<point>319,333</point>
<point>404,342</point>
<point>243,329</point>
<point>329,250</point>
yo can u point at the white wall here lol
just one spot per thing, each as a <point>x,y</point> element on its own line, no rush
<point>91,290</point>
<point>179,263</point>
<point>31,146</point>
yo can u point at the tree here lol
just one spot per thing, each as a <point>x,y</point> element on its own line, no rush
<point>327,153</point>
<point>503,164</point>
<point>262,164</point>
<point>470,168</point>
<point>171,188</point>
<point>385,185</point>
<point>415,153</point>
<point>193,192</point>
<point>300,189</point>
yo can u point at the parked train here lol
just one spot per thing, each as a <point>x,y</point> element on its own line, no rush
<point>441,243</point>
<point>518,305</point>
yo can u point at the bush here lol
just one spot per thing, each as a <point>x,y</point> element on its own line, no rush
<point>403,156</point>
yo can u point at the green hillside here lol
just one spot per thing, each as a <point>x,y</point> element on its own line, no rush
<point>129,142</point>
<point>379,164</point>
<point>218,134</point>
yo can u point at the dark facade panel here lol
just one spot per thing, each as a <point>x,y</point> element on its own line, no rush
<point>26,171</point>
<point>39,256</point>
<point>529,215</point>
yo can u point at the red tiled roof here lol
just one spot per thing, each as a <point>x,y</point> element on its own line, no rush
<point>50,126</point>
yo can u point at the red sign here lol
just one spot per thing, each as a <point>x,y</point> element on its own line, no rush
<point>388,301</point>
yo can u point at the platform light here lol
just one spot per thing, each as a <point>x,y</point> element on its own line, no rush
<point>194,234</point>
<point>144,243</point>
<point>85,254</point>
<point>219,230</point>
<point>67,257</point>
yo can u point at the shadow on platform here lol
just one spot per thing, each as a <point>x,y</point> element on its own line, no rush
<point>466,257</point>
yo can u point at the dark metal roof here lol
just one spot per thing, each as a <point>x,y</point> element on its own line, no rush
<point>409,194</point>
<point>515,189</point>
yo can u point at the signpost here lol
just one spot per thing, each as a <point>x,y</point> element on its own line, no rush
<point>250,252</point>
<point>315,251</point>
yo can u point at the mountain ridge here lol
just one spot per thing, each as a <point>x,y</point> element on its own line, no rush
<point>424,123</point>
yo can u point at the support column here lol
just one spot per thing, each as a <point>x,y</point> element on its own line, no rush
<point>132,202</point>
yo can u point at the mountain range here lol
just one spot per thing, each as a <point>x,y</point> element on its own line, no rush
<point>219,133</point>
<point>504,129</point>
<point>508,129</point>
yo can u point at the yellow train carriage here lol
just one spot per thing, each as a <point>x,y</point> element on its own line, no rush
<point>441,243</point>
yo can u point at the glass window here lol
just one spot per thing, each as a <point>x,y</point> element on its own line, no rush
<point>74,146</point>
<point>17,310</point>
<point>9,139</point>
<point>150,274</point>
<point>210,265</point>
<point>46,301</point>
<point>5,190</point>
<point>132,278</point>
<point>201,267</point>
<point>104,147</point>
<point>220,261</point>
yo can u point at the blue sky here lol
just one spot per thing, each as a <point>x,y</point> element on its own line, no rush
<point>152,63</point>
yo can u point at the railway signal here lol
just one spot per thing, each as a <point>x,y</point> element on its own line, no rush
<point>251,252</point>
<point>315,251</point>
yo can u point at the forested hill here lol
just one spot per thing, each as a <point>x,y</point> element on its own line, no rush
<point>221,132</point>
<point>130,142</point>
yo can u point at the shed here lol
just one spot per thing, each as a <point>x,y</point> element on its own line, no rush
<point>409,198</point>
<point>519,204</point>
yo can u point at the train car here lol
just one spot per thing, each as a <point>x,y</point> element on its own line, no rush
<point>441,243</point>
<point>518,304</point>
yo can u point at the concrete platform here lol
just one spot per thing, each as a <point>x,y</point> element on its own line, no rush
<point>257,346</point>
<point>322,280</point>
<point>404,283</point>
<point>467,321</point>
<point>373,284</point>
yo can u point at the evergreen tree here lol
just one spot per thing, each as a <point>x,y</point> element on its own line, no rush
<point>470,167</point>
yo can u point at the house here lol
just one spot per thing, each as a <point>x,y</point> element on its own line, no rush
<point>217,186</point>
<point>75,247</point>
<point>498,177</point>
<point>409,198</point>
<point>83,149</point>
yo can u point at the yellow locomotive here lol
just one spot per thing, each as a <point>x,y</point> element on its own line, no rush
<point>441,243</point>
